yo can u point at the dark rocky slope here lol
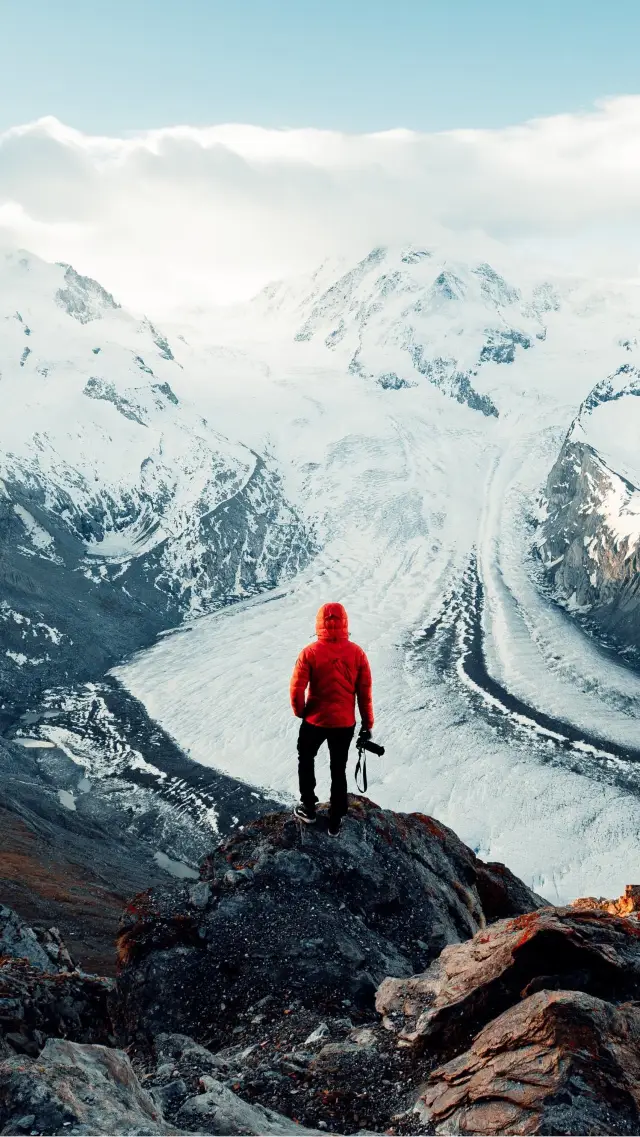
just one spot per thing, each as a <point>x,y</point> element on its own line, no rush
<point>589,540</point>
<point>75,865</point>
<point>65,617</point>
<point>387,981</point>
<point>324,920</point>
<point>590,570</point>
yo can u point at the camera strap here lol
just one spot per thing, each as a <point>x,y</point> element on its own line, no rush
<point>361,767</point>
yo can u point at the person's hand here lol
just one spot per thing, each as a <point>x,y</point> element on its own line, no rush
<point>364,735</point>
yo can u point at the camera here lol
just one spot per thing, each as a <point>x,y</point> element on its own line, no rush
<point>372,747</point>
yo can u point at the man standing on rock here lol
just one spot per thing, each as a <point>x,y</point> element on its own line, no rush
<point>328,677</point>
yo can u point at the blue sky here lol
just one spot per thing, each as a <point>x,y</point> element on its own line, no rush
<point>354,65</point>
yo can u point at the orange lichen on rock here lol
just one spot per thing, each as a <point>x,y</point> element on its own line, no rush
<point>626,905</point>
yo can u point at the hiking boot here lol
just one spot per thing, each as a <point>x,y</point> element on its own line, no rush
<point>304,814</point>
<point>334,828</point>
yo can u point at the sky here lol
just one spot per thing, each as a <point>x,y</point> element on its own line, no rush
<point>187,153</point>
<point>349,65</point>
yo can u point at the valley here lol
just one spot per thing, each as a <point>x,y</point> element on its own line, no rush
<point>418,507</point>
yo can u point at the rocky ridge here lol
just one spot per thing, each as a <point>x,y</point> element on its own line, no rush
<point>396,317</point>
<point>121,509</point>
<point>388,981</point>
<point>589,539</point>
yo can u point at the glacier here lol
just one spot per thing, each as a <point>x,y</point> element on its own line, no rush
<point>379,434</point>
<point>498,714</point>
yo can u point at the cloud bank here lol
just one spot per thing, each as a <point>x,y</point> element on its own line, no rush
<point>188,216</point>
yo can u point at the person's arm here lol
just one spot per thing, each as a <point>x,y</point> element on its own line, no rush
<point>299,684</point>
<point>363,693</point>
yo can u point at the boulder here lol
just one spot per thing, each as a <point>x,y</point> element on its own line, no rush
<point>218,1110</point>
<point>558,1062</point>
<point>76,1089</point>
<point>43,949</point>
<point>295,916</point>
<point>474,982</point>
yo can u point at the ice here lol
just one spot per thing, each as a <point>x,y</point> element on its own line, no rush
<point>34,743</point>
<point>67,800</point>
<point>405,486</point>
<point>423,508</point>
<point>175,868</point>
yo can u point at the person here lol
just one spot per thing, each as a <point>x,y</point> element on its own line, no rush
<point>327,679</point>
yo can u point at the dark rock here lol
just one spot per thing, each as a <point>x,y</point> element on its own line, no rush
<point>36,1005</point>
<point>320,922</point>
<point>171,1095</point>
<point>592,568</point>
<point>500,345</point>
<point>184,1057</point>
<point>74,1089</point>
<point>220,1111</point>
<point>45,950</point>
<point>83,298</point>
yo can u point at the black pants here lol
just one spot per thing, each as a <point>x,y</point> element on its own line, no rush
<point>310,740</point>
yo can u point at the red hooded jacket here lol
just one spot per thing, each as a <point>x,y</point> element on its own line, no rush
<point>329,675</point>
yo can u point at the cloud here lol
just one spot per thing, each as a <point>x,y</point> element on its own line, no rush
<point>188,215</point>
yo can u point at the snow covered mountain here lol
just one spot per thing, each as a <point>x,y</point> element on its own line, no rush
<point>122,510</point>
<point>409,409</point>
<point>498,714</point>
<point>591,533</point>
<point>405,316</point>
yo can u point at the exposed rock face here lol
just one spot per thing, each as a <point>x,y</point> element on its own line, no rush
<point>559,1062</point>
<point>626,905</point>
<point>41,992</point>
<point>19,941</point>
<point>531,1026</point>
<point>535,1012</point>
<point>590,538</point>
<point>76,1089</point>
<point>553,949</point>
<point>86,1090</point>
<point>593,569</point>
<point>287,913</point>
<point>36,1005</point>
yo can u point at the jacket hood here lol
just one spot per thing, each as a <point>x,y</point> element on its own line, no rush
<point>332,622</point>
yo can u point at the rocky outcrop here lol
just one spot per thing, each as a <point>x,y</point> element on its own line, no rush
<point>626,905</point>
<point>89,1090</point>
<point>553,948</point>
<point>589,539</point>
<point>592,568</point>
<point>558,1062</point>
<point>284,912</point>
<point>36,1005</point>
<point>190,1083</point>
<point>538,1021</point>
<point>245,999</point>
<point>45,950</point>
<point>42,994</point>
<point>76,1089</point>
